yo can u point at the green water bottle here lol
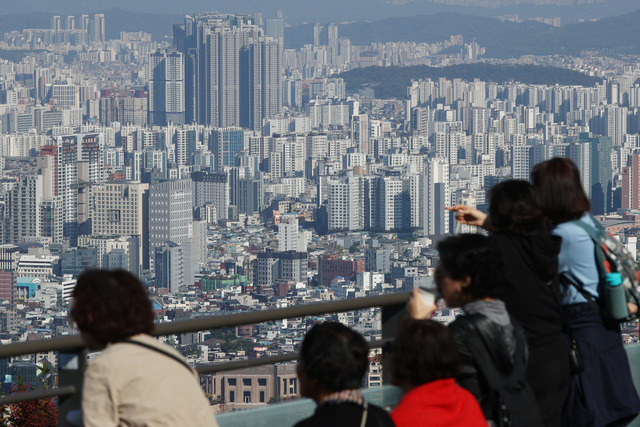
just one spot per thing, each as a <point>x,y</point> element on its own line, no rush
<point>615,298</point>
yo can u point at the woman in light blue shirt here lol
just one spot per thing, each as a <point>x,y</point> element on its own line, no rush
<point>603,392</point>
<point>577,258</point>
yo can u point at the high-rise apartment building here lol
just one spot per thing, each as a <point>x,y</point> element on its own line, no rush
<point>211,189</point>
<point>8,277</point>
<point>84,22</point>
<point>344,46</point>
<point>436,195</point>
<point>317,31</point>
<point>271,78</point>
<point>580,154</point>
<point>600,172</point>
<point>392,204</point>
<point>70,22</point>
<point>631,183</point>
<point>66,95</point>
<point>226,144</point>
<point>56,23</point>
<point>273,267</point>
<point>346,204</point>
<point>233,73</point>
<point>41,77</point>
<point>169,266</point>
<point>289,235</point>
<point>275,26</point>
<point>333,43</point>
<point>250,196</point>
<point>76,163</point>
<point>360,132</point>
<point>171,218</point>
<point>26,199</point>
<point>120,209</point>
<point>166,88</point>
<point>99,28</point>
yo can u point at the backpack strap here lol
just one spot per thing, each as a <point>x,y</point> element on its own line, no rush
<point>568,278</point>
<point>594,234</point>
<point>156,349</point>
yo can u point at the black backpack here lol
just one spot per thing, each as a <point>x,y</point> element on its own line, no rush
<point>514,403</point>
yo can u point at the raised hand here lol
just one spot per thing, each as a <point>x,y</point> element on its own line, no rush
<point>468,215</point>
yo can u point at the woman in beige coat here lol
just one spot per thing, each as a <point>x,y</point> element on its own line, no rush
<point>135,381</point>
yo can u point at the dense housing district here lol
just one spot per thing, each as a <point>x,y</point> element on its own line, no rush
<point>233,174</point>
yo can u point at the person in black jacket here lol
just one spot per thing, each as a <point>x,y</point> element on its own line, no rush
<point>529,256</point>
<point>491,344</point>
<point>332,365</point>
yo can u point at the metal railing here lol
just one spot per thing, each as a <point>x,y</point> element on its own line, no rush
<point>73,349</point>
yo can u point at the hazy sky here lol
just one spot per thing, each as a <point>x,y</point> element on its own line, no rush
<point>297,11</point>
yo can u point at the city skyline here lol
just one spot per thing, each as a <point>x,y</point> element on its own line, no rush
<point>231,171</point>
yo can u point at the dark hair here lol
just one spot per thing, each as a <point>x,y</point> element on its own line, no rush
<point>111,305</point>
<point>423,351</point>
<point>470,255</point>
<point>335,355</point>
<point>514,208</point>
<point>561,194</point>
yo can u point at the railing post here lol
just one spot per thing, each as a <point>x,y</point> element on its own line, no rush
<point>391,315</point>
<point>70,371</point>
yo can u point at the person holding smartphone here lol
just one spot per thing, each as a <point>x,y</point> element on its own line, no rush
<point>488,340</point>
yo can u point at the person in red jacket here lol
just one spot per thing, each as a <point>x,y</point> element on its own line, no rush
<point>424,362</point>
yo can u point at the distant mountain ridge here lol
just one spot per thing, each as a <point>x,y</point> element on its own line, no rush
<point>117,20</point>
<point>501,39</point>
<point>298,11</point>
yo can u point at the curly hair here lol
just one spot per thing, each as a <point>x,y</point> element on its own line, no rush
<point>111,305</point>
<point>514,208</point>
<point>470,255</point>
<point>422,352</point>
<point>335,355</point>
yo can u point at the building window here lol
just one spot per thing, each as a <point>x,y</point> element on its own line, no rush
<point>262,397</point>
<point>113,216</point>
<point>232,396</point>
<point>246,397</point>
<point>262,382</point>
<point>246,381</point>
<point>232,381</point>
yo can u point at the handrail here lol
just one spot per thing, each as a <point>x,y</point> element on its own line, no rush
<point>66,390</point>
<point>75,342</point>
<point>202,370</point>
<point>269,360</point>
<point>30,347</point>
<point>216,322</point>
<point>279,313</point>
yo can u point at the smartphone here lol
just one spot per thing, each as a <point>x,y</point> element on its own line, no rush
<point>429,296</point>
<point>429,292</point>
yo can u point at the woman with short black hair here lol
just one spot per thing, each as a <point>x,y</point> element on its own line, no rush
<point>333,362</point>
<point>135,380</point>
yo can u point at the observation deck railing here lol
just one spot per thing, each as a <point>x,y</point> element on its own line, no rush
<point>72,356</point>
<point>72,350</point>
